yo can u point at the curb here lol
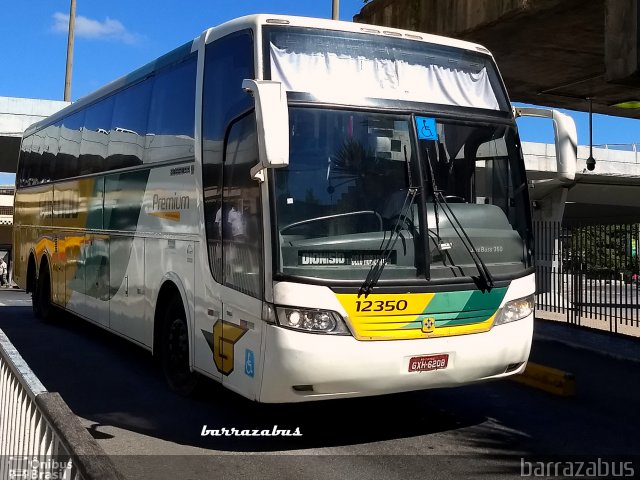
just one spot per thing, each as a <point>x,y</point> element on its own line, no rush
<point>549,379</point>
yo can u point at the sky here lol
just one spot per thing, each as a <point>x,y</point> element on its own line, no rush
<point>115,37</point>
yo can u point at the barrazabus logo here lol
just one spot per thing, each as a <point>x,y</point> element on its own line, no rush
<point>236,432</point>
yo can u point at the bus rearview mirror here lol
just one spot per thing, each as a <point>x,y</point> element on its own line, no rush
<point>566,139</point>
<point>272,121</point>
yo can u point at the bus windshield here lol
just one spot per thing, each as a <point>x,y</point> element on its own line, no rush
<point>348,186</point>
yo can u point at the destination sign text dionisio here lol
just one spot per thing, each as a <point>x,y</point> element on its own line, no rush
<point>346,257</point>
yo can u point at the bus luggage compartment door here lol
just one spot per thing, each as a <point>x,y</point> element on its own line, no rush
<point>96,271</point>
<point>126,278</point>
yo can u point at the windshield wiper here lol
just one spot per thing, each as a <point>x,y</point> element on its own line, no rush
<point>386,250</point>
<point>439,202</point>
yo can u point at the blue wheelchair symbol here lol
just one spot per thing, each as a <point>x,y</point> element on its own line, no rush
<point>426,128</point>
<point>249,363</point>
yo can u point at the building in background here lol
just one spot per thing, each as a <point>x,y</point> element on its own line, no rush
<point>6,222</point>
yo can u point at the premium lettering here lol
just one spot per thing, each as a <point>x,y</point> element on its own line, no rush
<point>170,203</point>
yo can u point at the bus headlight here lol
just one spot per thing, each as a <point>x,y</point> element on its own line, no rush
<point>515,310</point>
<point>308,320</point>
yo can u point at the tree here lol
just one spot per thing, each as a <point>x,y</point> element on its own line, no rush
<point>603,251</point>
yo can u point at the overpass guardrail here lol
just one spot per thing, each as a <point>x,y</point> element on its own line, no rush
<point>40,437</point>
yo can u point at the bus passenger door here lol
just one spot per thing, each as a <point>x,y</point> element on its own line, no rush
<point>240,221</point>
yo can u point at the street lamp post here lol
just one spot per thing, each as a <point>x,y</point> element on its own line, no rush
<point>336,10</point>
<point>67,77</point>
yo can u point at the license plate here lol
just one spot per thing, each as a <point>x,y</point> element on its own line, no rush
<point>427,363</point>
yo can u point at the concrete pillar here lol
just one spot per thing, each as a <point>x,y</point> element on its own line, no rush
<point>547,214</point>
<point>621,39</point>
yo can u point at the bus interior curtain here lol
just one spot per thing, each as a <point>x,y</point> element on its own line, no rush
<point>328,75</point>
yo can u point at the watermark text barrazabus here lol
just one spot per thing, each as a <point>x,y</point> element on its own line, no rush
<point>246,432</point>
<point>597,468</point>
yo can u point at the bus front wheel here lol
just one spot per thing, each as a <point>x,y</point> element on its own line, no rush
<point>175,350</point>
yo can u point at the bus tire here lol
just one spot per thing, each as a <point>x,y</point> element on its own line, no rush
<point>35,300</point>
<point>31,286</point>
<point>42,295</point>
<point>175,350</point>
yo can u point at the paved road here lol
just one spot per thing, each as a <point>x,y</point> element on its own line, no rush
<point>480,431</point>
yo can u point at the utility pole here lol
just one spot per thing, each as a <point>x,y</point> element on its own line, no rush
<point>336,10</point>
<point>67,78</point>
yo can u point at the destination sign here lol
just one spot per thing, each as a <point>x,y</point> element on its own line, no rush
<point>346,257</point>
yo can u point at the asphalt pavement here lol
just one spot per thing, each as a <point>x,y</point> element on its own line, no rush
<point>597,341</point>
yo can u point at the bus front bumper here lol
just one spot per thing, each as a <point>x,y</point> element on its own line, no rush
<point>304,367</point>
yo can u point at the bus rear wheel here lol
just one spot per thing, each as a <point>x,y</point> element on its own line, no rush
<point>175,350</point>
<point>35,300</point>
<point>41,297</point>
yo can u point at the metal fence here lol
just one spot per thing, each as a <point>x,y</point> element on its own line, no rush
<point>39,436</point>
<point>588,275</point>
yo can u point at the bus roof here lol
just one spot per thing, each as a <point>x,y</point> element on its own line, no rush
<point>311,22</point>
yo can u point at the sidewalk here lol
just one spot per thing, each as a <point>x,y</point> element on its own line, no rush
<point>611,345</point>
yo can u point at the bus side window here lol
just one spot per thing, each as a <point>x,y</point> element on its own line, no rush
<point>95,137</point>
<point>35,166</point>
<point>50,154</point>
<point>129,126</point>
<point>69,145</point>
<point>23,166</point>
<point>170,131</point>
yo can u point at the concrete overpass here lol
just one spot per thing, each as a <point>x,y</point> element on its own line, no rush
<point>16,114</point>
<point>556,53</point>
<point>608,194</point>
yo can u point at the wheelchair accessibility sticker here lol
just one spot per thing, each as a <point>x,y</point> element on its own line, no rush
<point>249,363</point>
<point>426,128</point>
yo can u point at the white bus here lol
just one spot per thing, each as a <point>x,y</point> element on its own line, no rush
<point>299,208</point>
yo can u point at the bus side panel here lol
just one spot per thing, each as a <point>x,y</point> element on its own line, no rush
<point>169,260</point>
<point>71,245</point>
<point>81,257</point>
<point>208,319</point>
<point>170,203</point>
<point>33,214</point>
<point>127,312</point>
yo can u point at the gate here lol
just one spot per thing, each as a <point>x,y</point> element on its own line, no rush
<point>588,275</point>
